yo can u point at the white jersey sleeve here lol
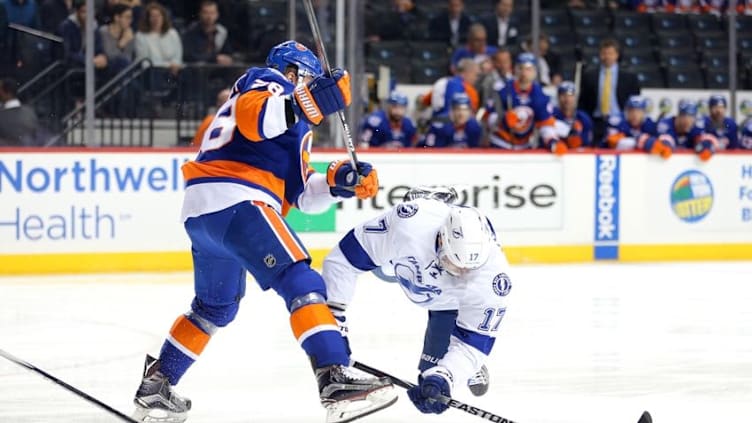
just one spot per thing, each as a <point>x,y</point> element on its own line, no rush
<point>479,317</point>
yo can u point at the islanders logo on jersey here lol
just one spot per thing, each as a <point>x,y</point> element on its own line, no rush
<point>692,196</point>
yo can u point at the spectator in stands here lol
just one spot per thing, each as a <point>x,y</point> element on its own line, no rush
<point>400,23</point>
<point>157,40</point>
<point>502,29</point>
<point>604,89</point>
<point>53,12</point>
<point>451,24</point>
<point>745,142</point>
<point>502,70</point>
<point>462,130</point>
<point>206,40</point>
<point>444,89</point>
<point>684,131</point>
<point>389,128</point>
<point>198,138</point>
<point>573,126</point>
<point>630,130</point>
<point>18,122</point>
<point>118,41</point>
<point>650,6</point>
<point>693,6</point>
<point>549,62</point>
<point>73,30</point>
<point>717,123</point>
<point>22,12</point>
<point>476,49</point>
<point>104,11</point>
<point>519,108</point>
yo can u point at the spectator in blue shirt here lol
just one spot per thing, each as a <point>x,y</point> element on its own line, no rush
<point>72,30</point>
<point>389,128</point>
<point>22,12</point>
<point>477,48</point>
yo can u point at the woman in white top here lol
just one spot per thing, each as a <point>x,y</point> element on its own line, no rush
<point>157,39</point>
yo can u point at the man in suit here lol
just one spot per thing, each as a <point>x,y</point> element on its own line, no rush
<point>451,25</point>
<point>605,89</point>
<point>502,29</point>
<point>18,122</point>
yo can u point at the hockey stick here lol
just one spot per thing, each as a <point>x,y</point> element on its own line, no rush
<point>475,411</point>
<point>70,388</point>
<point>325,61</point>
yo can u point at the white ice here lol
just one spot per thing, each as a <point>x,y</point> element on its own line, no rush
<point>579,344</point>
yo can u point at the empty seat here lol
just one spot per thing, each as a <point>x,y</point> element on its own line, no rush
<point>699,24</point>
<point>589,38</point>
<point>668,22</point>
<point>635,39</point>
<point>712,41</point>
<point>631,21</point>
<point>553,19</point>
<point>674,40</point>
<point>589,18</point>
<point>590,56</point>
<point>563,43</point>
<point>386,50</point>
<point>688,77</point>
<point>715,59</point>
<point>743,24</point>
<point>677,58</point>
<point>431,52</point>
<point>426,74</point>
<point>650,76</point>
<point>744,42</point>
<point>568,70</point>
<point>717,78</point>
<point>638,57</point>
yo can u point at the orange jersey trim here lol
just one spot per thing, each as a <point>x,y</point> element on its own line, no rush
<point>285,237</point>
<point>199,136</point>
<point>472,93</point>
<point>548,122</point>
<point>308,317</point>
<point>189,335</point>
<point>248,110</point>
<point>231,169</point>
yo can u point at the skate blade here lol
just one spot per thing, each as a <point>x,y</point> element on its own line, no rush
<point>151,415</point>
<point>348,410</point>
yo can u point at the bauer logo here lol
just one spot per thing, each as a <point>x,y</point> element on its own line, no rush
<point>692,196</point>
<point>606,207</point>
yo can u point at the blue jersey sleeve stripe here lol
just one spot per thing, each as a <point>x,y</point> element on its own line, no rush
<point>482,343</point>
<point>355,253</point>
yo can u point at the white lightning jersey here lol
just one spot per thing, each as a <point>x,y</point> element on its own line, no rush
<point>402,242</point>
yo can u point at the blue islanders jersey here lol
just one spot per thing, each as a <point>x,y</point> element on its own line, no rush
<point>444,89</point>
<point>667,126</point>
<point>446,134</point>
<point>745,142</point>
<point>516,114</point>
<point>378,131</point>
<point>727,132</point>
<point>576,132</point>
<point>622,136</point>
<point>248,152</point>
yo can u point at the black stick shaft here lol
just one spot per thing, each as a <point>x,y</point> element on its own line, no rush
<point>475,411</point>
<point>311,14</point>
<point>65,385</point>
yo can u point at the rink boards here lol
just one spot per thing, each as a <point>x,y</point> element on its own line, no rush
<point>118,210</point>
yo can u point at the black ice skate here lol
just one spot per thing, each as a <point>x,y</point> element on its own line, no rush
<point>478,384</point>
<point>348,394</point>
<point>155,400</point>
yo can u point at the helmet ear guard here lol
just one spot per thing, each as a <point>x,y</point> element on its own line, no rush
<point>465,241</point>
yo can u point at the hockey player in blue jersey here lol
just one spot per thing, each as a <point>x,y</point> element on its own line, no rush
<point>252,168</point>
<point>632,129</point>
<point>520,109</point>
<point>745,141</point>
<point>447,260</point>
<point>389,128</point>
<point>717,123</point>
<point>574,127</point>
<point>461,131</point>
<point>685,131</point>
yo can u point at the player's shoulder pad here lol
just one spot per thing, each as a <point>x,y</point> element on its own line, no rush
<point>263,79</point>
<point>614,120</point>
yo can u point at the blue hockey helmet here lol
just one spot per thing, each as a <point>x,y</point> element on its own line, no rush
<point>567,87</point>
<point>526,59</point>
<point>293,53</point>
<point>717,100</point>
<point>687,107</point>
<point>636,102</point>
<point>397,98</point>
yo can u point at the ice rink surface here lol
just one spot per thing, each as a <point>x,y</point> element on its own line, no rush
<point>579,344</point>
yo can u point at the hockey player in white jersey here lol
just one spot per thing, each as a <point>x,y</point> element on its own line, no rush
<point>446,259</point>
